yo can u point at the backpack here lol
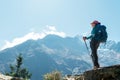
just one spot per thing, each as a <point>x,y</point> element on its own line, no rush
<point>102,33</point>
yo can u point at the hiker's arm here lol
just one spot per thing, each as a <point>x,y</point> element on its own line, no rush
<point>91,36</point>
<point>93,32</point>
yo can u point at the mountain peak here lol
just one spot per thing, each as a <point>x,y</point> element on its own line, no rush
<point>68,55</point>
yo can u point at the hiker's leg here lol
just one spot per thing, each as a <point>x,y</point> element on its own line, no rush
<point>94,47</point>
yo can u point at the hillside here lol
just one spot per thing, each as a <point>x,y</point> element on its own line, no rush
<point>68,55</point>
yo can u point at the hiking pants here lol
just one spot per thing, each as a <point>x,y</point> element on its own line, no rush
<point>94,46</point>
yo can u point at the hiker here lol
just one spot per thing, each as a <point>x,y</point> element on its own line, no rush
<point>98,35</point>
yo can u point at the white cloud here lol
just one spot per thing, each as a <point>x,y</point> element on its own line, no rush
<point>32,35</point>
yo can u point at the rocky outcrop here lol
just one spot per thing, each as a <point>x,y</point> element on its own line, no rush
<point>4,77</point>
<point>104,73</point>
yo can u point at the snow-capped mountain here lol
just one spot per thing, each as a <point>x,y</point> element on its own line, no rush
<point>68,55</point>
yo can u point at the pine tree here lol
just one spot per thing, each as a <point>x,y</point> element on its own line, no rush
<point>18,71</point>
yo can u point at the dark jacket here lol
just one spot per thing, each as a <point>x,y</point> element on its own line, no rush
<point>94,33</point>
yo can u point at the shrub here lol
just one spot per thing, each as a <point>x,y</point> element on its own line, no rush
<point>55,75</point>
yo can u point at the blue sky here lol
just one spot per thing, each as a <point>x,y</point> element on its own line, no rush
<point>19,17</point>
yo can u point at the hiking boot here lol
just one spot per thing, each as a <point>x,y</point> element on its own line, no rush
<point>96,67</point>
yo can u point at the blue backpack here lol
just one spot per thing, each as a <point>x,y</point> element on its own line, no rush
<point>102,33</point>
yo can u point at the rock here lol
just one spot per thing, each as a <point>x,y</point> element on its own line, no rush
<point>15,78</point>
<point>104,73</point>
<point>4,77</point>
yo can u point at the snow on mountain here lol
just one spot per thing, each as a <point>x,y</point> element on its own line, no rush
<point>67,54</point>
<point>33,35</point>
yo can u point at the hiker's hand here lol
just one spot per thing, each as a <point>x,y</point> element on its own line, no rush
<point>84,38</point>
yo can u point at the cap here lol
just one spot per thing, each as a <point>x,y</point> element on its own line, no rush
<point>95,22</point>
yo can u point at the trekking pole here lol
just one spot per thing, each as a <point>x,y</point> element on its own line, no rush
<point>87,47</point>
<point>89,51</point>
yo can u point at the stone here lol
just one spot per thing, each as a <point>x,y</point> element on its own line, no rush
<point>103,73</point>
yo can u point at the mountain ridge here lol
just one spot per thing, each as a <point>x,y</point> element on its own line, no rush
<point>68,55</point>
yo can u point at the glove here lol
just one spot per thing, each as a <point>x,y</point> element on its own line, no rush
<point>84,38</point>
